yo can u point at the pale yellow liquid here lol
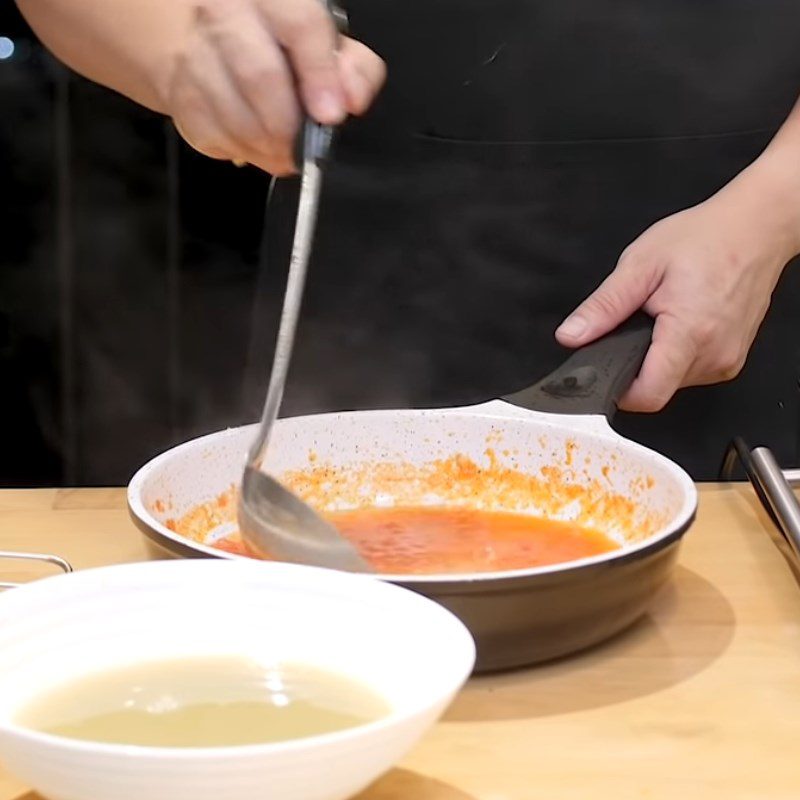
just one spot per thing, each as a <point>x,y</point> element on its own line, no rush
<point>203,702</point>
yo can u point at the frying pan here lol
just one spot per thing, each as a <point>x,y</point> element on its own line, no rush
<point>556,435</point>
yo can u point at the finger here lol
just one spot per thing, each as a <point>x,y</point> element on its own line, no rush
<point>245,139</point>
<point>624,291</point>
<point>363,73</point>
<point>669,359</point>
<point>264,79</point>
<point>307,32</point>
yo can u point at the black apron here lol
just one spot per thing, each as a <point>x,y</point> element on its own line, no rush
<point>518,147</point>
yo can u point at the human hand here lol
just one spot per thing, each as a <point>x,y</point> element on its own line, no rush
<point>245,69</point>
<point>706,275</point>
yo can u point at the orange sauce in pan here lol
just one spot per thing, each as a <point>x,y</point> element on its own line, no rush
<point>231,544</point>
<point>428,540</point>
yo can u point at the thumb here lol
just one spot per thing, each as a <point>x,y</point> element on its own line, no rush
<point>624,291</point>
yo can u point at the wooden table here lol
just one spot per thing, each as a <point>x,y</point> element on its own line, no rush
<point>701,699</point>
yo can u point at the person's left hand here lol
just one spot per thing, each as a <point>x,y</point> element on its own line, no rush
<point>706,275</point>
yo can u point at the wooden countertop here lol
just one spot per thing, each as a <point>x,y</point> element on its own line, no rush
<point>701,699</point>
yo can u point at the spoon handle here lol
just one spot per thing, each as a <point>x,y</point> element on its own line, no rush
<point>295,284</point>
<point>313,148</point>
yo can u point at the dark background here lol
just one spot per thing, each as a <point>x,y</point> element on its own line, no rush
<point>126,276</point>
<point>129,270</point>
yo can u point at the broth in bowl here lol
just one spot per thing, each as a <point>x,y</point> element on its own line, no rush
<point>213,701</point>
<point>319,681</point>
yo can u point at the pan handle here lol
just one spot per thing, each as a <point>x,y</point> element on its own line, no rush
<point>594,377</point>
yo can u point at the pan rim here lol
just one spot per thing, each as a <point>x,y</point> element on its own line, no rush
<point>585,426</point>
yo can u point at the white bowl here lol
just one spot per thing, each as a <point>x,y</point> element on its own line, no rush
<point>410,650</point>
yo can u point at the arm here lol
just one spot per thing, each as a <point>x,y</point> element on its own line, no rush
<point>706,274</point>
<point>224,70</point>
<point>129,49</point>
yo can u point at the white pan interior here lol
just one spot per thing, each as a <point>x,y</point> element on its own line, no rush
<point>578,468</point>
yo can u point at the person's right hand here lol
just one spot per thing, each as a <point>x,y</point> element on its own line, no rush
<point>247,70</point>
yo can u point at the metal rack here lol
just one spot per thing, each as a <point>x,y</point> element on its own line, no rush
<point>774,488</point>
<point>8,555</point>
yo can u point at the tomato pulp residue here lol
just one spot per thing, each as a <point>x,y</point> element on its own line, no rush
<point>453,514</point>
<point>554,492</point>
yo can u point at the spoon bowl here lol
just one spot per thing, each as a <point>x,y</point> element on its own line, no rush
<point>274,522</point>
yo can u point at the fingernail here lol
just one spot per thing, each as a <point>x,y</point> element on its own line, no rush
<point>573,327</point>
<point>328,107</point>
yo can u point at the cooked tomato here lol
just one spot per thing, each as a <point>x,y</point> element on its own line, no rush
<point>426,540</point>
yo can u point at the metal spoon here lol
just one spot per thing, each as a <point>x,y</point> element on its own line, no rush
<point>273,521</point>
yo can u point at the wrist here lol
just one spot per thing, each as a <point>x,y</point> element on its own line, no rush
<point>769,189</point>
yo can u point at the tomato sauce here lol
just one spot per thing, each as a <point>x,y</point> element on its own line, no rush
<point>231,544</point>
<point>427,540</point>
